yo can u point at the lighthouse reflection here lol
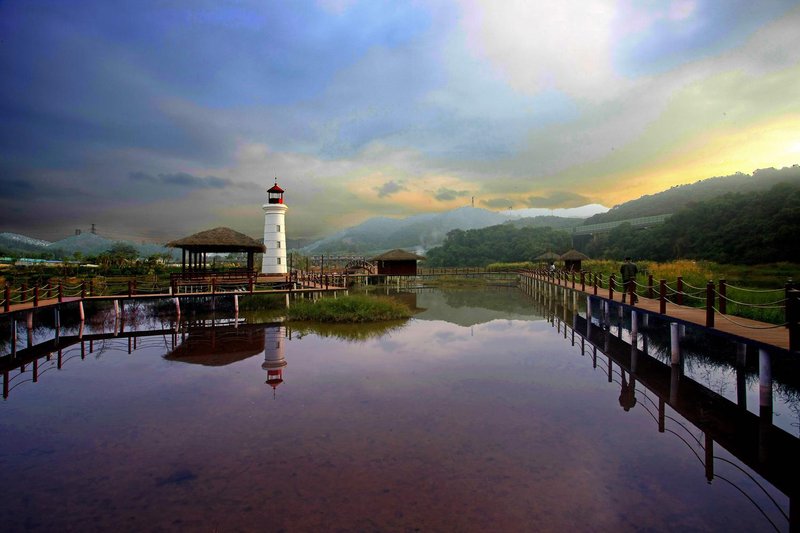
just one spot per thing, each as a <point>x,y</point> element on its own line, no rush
<point>215,345</point>
<point>274,358</point>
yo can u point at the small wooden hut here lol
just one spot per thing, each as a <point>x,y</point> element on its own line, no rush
<point>218,240</point>
<point>397,263</point>
<point>572,260</point>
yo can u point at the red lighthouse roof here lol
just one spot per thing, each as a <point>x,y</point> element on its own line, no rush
<point>275,188</point>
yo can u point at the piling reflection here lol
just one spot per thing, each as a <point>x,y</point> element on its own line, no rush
<point>639,351</point>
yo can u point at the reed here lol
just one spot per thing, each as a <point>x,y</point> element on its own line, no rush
<point>356,308</point>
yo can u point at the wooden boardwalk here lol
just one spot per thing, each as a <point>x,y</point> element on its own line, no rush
<point>310,288</point>
<point>744,328</point>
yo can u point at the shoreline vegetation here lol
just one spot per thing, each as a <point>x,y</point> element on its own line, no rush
<point>348,309</point>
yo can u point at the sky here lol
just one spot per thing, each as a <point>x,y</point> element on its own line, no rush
<point>157,119</point>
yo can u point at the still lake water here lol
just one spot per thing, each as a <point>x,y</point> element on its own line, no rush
<point>480,414</point>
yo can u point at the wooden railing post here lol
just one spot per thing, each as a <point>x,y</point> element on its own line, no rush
<point>650,286</point>
<point>213,285</point>
<point>36,296</point>
<point>23,292</point>
<point>130,288</point>
<point>583,281</point>
<point>710,304</point>
<point>611,281</point>
<point>793,317</point>
<point>662,296</point>
<point>723,297</point>
<point>595,284</point>
<point>60,292</point>
<point>679,288</point>
<point>7,298</point>
<point>573,279</point>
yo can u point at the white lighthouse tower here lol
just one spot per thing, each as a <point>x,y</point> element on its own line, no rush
<point>274,261</point>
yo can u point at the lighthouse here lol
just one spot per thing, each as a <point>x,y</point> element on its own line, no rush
<point>274,261</point>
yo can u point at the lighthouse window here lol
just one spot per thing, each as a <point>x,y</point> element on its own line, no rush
<point>278,228</point>
<point>279,244</point>
<point>279,260</point>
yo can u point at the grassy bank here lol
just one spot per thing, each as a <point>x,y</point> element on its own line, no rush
<point>356,308</point>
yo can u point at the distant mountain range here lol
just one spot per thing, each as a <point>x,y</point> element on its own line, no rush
<point>86,244</point>
<point>422,232</point>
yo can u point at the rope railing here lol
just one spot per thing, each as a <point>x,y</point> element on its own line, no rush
<point>753,290</point>
<point>765,305</point>
<point>729,319</point>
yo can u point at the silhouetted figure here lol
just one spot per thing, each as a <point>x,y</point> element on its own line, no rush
<point>628,272</point>
<point>627,396</point>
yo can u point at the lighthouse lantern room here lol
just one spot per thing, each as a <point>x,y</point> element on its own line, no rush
<point>274,261</point>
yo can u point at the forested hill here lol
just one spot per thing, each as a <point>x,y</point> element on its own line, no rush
<point>502,243</point>
<point>739,228</point>
<point>678,197</point>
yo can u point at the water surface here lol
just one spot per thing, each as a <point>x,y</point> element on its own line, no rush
<point>481,413</point>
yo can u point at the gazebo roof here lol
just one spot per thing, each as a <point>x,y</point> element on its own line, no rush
<point>219,346</point>
<point>219,240</point>
<point>574,255</point>
<point>548,256</point>
<point>397,255</point>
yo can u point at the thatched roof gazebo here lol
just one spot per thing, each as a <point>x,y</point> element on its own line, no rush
<point>220,345</point>
<point>397,263</point>
<point>548,257</point>
<point>572,259</point>
<point>218,240</point>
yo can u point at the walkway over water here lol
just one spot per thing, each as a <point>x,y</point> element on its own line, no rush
<point>777,335</point>
<point>30,298</point>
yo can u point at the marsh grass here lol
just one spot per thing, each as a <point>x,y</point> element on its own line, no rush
<point>350,332</point>
<point>755,292</point>
<point>353,309</point>
<point>262,302</point>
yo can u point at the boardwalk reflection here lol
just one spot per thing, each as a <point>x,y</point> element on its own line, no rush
<point>660,386</point>
<point>211,342</point>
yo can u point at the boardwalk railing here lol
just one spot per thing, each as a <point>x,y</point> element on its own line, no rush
<point>780,306</point>
<point>196,283</point>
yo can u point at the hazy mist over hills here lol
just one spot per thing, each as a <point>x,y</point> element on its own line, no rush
<point>425,231</point>
<point>86,244</point>
<point>422,232</point>
<point>680,196</point>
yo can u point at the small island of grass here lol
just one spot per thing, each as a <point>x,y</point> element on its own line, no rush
<point>356,308</point>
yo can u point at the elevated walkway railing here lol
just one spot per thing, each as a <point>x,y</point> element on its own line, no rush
<point>781,305</point>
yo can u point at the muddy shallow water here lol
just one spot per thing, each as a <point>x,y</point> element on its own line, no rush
<point>478,414</point>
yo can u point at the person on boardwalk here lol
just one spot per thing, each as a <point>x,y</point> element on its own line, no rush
<point>628,272</point>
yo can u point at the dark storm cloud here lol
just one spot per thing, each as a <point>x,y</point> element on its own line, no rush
<point>389,188</point>
<point>445,195</point>
<point>182,179</point>
<point>17,188</point>
<point>558,199</point>
<point>498,203</point>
